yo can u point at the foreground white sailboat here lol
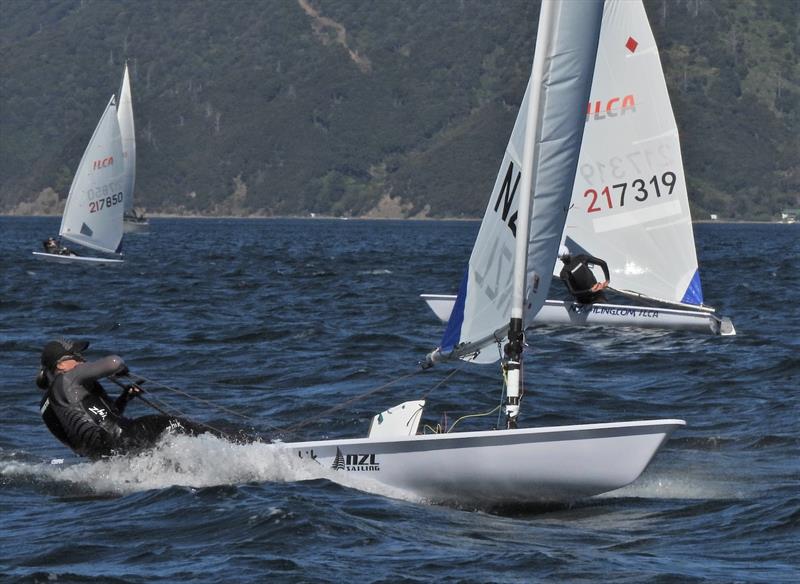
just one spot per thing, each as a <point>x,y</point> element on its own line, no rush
<point>498,467</point>
<point>133,221</point>
<point>504,288</point>
<point>93,213</point>
<point>630,205</point>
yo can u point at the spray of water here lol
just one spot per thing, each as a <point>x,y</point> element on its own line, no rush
<point>179,460</point>
<point>678,485</point>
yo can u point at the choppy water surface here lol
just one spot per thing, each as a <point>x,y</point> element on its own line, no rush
<point>282,320</point>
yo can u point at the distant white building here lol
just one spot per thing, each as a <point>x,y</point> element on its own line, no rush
<point>790,215</point>
<point>713,216</point>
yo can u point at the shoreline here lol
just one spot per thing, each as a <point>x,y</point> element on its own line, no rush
<point>372,218</point>
<point>265,217</point>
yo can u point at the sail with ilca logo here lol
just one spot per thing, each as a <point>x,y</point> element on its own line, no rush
<point>629,201</point>
<point>93,213</point>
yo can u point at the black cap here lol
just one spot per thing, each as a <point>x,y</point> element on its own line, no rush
<point>56,350</point>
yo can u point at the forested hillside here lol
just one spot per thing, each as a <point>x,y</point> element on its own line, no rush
<point>363,107</point>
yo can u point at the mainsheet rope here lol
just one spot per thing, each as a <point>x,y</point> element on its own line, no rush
<point>163,408</point>
<point>140,379</point>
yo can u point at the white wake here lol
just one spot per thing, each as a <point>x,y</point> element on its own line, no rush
<point>179,460</point>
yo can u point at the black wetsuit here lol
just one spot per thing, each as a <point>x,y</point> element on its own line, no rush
<point>78,411</point>
<point>579,278</point>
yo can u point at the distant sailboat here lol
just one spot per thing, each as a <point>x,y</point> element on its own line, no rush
<point>504,287</point>
<point>630,204</point>
<point>93,213</point>
<point>133,221</point>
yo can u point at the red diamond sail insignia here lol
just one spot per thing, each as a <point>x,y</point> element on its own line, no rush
<point>631,44</point>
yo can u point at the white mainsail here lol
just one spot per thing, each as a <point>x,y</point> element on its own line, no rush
<point>126,128</point>
<point>629,203</point>
<point>481,314</point>
<point>94,208</point>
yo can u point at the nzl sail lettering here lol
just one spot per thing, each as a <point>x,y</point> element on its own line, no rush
<point>600,110</point>
<point>103,163</point>
<point>506,196</point>
<point>494,276</point>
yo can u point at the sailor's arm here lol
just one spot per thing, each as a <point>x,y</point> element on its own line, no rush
<point>104,367</point>
<point>603,265</point>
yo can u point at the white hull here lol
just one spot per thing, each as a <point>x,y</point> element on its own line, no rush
<point>556,312</point>
<point>73,259</point>
<point>500,467</point>
<point>135,226</point>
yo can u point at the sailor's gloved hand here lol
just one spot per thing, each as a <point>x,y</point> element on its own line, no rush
<point>131,392</point>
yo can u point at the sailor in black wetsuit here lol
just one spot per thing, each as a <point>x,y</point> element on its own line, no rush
<point>50,245</point>
<point>579,279</point>
<point>78,411</point>
<point>54,247</point>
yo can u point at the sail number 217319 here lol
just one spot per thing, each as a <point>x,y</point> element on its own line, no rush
<point>639,189</point>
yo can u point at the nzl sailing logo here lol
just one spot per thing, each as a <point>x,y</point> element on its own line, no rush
<point>355,462</point>
<point>616,106</point>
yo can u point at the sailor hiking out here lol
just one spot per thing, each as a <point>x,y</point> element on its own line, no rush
<point>78,411</point>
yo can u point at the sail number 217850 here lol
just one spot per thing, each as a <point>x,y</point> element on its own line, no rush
<point>640,190</point>
<point>100,204</point>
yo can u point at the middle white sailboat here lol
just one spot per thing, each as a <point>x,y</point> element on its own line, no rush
<point>505,286</point>
<point>93,213</point>
<point>103,183</point>
<point>629,204</point>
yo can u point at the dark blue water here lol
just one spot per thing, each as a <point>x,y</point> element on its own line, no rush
<point>283,320</point>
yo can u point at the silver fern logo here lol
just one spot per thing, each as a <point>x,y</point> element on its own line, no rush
<point>338,461</point>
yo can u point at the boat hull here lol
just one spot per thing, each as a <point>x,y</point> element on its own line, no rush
<point>501,467</point>
<point>135,226</point>
<point>557,312</point>
<point>73,259</point>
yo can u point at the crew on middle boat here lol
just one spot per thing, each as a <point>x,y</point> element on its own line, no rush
<point>578,276</point>
<point>79,412</point>
<point>52,246</point>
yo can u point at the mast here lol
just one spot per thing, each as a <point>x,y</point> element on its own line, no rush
<point>513,348</point>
